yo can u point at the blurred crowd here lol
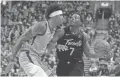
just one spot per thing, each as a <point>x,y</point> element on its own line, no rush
<point>24,14</point>
<point>114,26</point>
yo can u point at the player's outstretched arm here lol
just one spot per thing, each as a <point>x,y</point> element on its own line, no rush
<point>52,44</point>
<point>27,35</point>
<point>87,49</point>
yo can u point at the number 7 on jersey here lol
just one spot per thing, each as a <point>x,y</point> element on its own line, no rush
<point>72,50</point>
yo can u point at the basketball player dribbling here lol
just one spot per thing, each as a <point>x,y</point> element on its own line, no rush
<point>41,33</point>
<point>72,42</point>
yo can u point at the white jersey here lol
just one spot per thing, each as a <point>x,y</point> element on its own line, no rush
<point>40,41</point>
<point>30,61</point>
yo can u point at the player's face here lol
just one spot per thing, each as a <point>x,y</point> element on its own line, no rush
<point>75,21</point>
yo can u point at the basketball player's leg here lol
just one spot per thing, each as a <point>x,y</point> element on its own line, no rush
<point>77,69</point>
<point>29,67</point>
<point>62,69</point>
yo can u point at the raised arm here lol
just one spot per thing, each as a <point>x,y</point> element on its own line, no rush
<point>39,28</point>
<point>87,49</point>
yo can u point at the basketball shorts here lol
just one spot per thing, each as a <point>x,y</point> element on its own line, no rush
<point>30,64</point>
<point>70,68</point>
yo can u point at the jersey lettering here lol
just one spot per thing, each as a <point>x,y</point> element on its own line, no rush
<point>70,46</point>
<point>68,42</point>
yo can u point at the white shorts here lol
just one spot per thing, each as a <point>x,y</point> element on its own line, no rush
<point>31,68</point>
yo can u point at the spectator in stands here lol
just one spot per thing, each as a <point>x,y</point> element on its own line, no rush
<point>11,36</point>
<point>28,12</point>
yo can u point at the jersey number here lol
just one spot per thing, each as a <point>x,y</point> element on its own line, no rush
<point>72,50</point>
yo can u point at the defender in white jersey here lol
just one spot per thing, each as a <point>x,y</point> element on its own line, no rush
<point>41,33</point>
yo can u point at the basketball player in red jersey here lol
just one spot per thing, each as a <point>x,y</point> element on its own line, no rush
<point>72,42</point>
<point>41,33</point>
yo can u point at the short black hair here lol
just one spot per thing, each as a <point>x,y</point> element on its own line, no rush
<point>53,7</point>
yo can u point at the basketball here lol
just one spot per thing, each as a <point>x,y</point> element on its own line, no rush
<point>102,46</point>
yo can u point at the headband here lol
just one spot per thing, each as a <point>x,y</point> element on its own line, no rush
<point>55,13</point>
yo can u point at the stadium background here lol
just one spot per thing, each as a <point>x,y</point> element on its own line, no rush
<point>18,16</point>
